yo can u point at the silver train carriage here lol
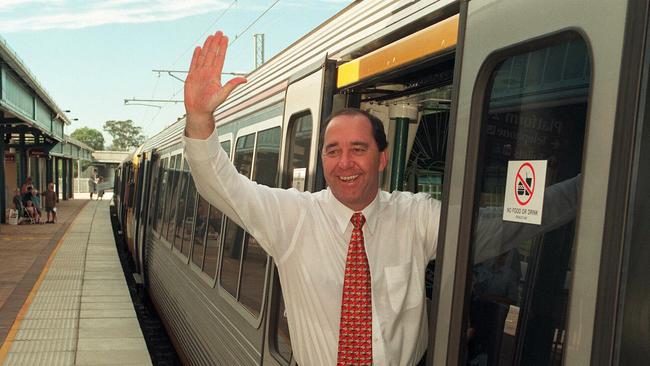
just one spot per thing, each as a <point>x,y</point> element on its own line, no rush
<point>465,89</point>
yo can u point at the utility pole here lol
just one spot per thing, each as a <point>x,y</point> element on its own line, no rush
<point>258,39</point>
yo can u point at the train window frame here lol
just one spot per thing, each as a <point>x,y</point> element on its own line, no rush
<point>139,180</point>
<point>180,194</point>
<point>193,208</point>
<point>474,164</point>
<point>260,166</point>
<point>158,200</point>
<point>243,137</point>
<point>255,321</point>
<point>153,189</point>
<point>212,280</point>
<point>290,138</point>
<point>166,208</point>
<point>224,139</point>
<point>176,186</point>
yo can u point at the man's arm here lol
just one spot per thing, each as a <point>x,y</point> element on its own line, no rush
<point>258,209</point>
<point>203,89</point>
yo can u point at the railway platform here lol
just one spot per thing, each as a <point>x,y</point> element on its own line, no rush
<point>63,296</point>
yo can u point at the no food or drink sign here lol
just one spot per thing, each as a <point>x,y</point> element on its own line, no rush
<point>524,196</point>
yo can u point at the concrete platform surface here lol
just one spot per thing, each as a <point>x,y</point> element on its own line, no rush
<point>78,311</point>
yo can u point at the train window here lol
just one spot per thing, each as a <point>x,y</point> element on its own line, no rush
<point>188,218</point>
<point>178,218</point>
<point>169,182</point>
<point>300,131</point>
<point>200,229</point>
<point>234,240</point>
<point>281,338</point>
<point>163,178</point>
<point>137,181</point>
<point>267,154</point>
<point>172,201</point>
<point>131,187</point>
<point>213,231</point>
<point>212,242</point>
<point>535,109</point>
<point>153,190</point>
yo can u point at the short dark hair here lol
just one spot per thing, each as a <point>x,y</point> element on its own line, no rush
<point>377,126</point>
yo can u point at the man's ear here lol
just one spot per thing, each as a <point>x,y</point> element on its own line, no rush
<point>383,160</point>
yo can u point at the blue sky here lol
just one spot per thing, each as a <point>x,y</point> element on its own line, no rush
<point>90,55</point>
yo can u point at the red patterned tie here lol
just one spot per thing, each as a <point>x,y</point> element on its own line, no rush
<point>355,334</point>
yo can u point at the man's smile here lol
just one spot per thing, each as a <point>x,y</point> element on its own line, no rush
<point>348,178</point>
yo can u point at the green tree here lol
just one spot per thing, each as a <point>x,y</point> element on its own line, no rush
<point>125,134</point>
<point>89,136</point>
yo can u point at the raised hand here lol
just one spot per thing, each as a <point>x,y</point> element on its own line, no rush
<point>203,89</point>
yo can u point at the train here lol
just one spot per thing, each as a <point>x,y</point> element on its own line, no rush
<point>485,104</point>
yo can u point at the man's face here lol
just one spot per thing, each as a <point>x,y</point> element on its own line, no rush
<point>351,161</point>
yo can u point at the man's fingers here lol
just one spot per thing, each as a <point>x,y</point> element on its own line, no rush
<point>195,59</point>
<point>213,49</point>
<point>221,55</point>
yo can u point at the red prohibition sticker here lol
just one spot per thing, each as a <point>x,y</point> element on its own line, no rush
<point>525,184</point>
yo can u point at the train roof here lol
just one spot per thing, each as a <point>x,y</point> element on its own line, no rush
<point>361,27</point>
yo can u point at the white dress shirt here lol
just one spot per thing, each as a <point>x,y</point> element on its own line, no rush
<point>307,234</point>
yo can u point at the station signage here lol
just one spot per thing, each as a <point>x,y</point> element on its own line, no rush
<point>37,153</point>
<point>524,196</point>
<point>10,158</point>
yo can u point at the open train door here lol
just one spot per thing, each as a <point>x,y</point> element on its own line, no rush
<point>542,158</point>
<point>307,104</point>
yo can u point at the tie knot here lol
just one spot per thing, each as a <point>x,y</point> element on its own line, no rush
<point>358,220</point>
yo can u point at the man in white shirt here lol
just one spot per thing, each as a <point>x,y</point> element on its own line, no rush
<point>308,234</point>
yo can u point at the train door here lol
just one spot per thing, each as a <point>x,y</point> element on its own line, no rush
<point>144,179</point>
<point>308,101</point>
<point>528,183</point>
<point>408,85</point>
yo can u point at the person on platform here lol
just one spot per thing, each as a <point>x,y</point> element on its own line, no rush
<point>28,195</point>
<point>92,186</point>
<point>50,204</point>
<point>32,211</point>
<point>100,185</point>
<point>27,183</point>
<point>365,304</point>
<point>17,200</point>
<point>36,199</point>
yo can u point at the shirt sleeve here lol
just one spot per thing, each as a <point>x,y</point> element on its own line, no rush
<point>428,214</point>
<point>269,214</point>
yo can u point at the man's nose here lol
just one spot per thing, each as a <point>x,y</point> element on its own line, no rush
<point>345,161</point>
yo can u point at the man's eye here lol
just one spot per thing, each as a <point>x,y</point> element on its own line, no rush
<point>332,152</point>
<point>359,150</point>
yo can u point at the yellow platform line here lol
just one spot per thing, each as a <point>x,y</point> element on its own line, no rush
<point>6,346</point>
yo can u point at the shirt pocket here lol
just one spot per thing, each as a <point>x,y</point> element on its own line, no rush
<point>404,291</point>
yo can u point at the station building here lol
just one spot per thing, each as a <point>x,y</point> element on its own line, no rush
<point>32,139</point>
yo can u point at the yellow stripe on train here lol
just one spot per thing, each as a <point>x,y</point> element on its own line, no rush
<point>437,38</point>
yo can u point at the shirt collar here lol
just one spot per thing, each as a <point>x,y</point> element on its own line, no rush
<point>342,213</point>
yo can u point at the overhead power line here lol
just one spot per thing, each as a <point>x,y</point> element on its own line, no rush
<point>254,21</point>
<point>209,29</point>
<point>135,101</point>
<point>171,73</point>
<point>236,38</point>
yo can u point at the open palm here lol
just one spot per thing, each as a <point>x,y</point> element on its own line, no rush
<point>203,89</point>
